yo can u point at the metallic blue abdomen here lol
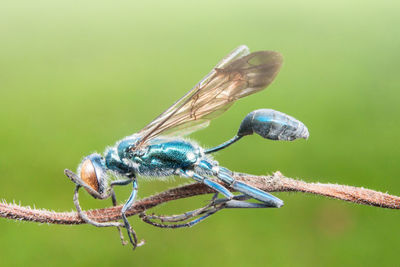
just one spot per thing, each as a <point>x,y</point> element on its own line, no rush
<point>272,124</point>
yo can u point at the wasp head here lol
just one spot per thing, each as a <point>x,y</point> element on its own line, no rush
<point>92,171</point>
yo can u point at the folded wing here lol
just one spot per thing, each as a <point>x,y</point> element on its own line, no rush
<point>238,75</point>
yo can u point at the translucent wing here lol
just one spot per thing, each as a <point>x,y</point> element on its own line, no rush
<point>192,126</point>
<point>237,75</point>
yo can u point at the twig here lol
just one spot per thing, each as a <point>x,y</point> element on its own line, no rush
<point>274,183</point>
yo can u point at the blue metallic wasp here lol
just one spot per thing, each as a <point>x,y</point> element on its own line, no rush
<point>159,150</point>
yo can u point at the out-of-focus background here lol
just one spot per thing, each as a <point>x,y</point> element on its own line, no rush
<point>77,76</point>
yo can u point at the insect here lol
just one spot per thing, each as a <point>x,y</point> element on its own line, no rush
<point>160,149</point>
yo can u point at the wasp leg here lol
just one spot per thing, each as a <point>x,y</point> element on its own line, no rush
<point>226,176</point>
<point>131,233</point>
<point>181,217</point>
<point>78,181</point>
<point>114,201</point>
<point>208,210</point>
<point>214,206</point>
<point>238,203</point>
<point>231,201</point>
<point>121,182</point>
<point>216,186</point>
<point>208,213</point>
<point>235,204</point>
<point>269,200</point>
<point>86,218</point>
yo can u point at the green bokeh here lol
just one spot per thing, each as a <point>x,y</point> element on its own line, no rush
<point>77,76</point>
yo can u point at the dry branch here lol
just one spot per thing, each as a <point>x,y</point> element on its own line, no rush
<point>274,183</point>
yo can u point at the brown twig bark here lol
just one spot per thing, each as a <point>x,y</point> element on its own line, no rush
<point>273,183</point>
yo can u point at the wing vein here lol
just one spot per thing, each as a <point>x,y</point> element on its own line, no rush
<point>237,75</point>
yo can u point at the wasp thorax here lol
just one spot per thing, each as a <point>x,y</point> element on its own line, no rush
<point>125,147</point>
<point>88,175</point>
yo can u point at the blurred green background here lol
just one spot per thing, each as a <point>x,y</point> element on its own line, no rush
<point>77,76</point>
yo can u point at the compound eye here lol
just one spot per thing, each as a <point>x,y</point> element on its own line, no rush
<point>88,175</point>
